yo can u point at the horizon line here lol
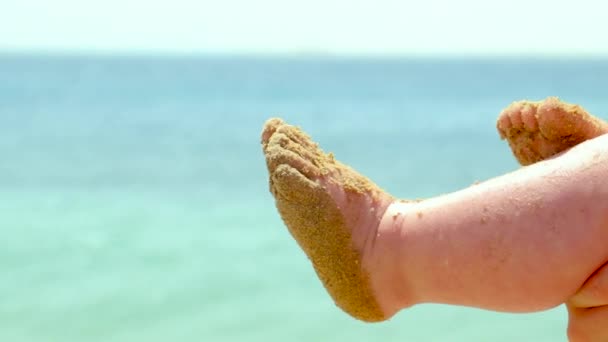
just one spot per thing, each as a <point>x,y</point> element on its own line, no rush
<point>160,53</point>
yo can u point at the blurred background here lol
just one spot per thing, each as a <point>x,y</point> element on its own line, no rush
<point>133,192</point>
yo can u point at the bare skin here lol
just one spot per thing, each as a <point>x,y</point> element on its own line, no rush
<point>487,246</point>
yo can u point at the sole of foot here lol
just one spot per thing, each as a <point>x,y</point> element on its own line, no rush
<point>333,213</point>
<point>539,130</point>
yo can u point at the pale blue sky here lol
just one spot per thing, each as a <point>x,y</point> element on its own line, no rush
<point>461,27</point>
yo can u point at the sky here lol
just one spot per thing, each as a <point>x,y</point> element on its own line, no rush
<point>371,27</point>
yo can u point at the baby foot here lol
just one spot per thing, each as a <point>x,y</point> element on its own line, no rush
<point>538,130</point>
<point>333,213</point>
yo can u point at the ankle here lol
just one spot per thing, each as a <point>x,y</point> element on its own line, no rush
<point>392,276</point>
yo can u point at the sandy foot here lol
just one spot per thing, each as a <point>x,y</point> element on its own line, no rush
<point>333,213</point>
<point>539,130</point>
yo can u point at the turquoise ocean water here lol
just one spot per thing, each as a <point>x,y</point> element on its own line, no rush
<point>134,202</point>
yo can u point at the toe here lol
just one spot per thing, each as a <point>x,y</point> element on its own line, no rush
<point>528,117</point>
<point>569,122</point>
<point>554,120</point>
<point>289,184</point>
<point>504,123</point>
<point>297,136</point>
<point>313,155</point>
<point>270,127</point>
<point>515,116</point>
<point>277,155</point>
<point>526,155</point>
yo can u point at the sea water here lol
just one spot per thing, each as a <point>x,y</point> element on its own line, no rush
<point>134,203</point>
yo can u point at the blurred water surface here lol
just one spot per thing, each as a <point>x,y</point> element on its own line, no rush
<point>134,197</point>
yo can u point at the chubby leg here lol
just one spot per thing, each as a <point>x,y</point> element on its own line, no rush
<point>538,130</point>
<point>525,241</point>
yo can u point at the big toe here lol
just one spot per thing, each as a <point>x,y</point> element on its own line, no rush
<point>564,121</point>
